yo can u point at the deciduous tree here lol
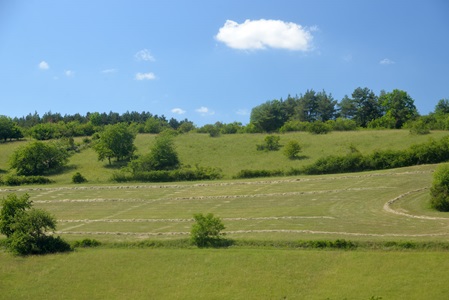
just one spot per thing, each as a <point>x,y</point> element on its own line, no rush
<point>38,158</point>
<point>116,141</point>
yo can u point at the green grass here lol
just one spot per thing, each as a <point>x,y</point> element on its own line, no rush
<point>348,206</point>
<point>279,210</point>
<point>233,153</point>
<point>225,274</point>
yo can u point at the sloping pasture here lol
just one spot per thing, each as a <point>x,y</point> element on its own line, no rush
<point>385,205</point>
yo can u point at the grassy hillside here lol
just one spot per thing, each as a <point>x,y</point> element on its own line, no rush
<point>369,208</point>
<point>232,153</point>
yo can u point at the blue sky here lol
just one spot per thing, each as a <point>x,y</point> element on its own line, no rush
<point>211,61</point>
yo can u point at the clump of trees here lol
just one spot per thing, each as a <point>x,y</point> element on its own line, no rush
<point>26,228</point>
<point>162,164</point>
<point>9,129</point>
<point>364,108</point>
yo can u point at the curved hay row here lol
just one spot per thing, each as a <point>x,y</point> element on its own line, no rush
<point>387,207</point>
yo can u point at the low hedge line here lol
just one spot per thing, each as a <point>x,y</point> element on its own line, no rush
<point>199,173</point>
<point>431,152</point>
<point>13,180</point>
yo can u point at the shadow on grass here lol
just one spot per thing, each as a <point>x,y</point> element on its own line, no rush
<point>300,157</point>
<point>62,170</point>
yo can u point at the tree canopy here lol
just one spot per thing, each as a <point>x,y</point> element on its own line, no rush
<point>116,141</point>
<point>38,158</point>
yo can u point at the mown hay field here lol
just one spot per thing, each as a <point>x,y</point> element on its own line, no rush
<point>383,205</point>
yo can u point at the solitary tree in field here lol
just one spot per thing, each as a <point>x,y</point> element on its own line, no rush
<point>116,141</point>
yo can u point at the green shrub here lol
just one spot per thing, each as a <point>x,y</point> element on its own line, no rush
<point>186,174</point>
<point>258,173</point>
<point>342,124</point>
<point>353,162</point>
<point>292,149</point>
<point>206,231</point>
<point>271,143</point>
<point>14,180</point>
<point>78,178</point>
<point>294,125</point>
<point>419,127</point>
<point>440,188</point>
<point>86,243</point>
<point>26,227</point>
<point>319,127</point>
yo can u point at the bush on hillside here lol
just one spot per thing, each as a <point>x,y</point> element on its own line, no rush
<point>440,188</point>
<point>185,174</point>
<point>14,180</point>
<point>207,230</point>
<point>78,178</point>
<point>258,173</point>
<point>292,150</point>
<point>319,127</point>
<point>38,158</point>
<point>271,143</point>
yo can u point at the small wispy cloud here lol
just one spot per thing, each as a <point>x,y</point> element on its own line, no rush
<point>242,112</point>
<point>204,111</point>
<point>109,71</point>
<point>262,34</point>
<point>69,73</point>
<point>43,65</point>
<point>386,61</point>
<point>178,111</point>
<point>145,76</point>
<point>144,55</point>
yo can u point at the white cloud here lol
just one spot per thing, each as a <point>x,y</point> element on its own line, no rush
<point>204,111</point>
<point>43,65</point>
<point>178,111</point>
<point>144,55</point>
<point>261,34</point>
<point>386,61</point>
<point>109,71</point>
<point>69,73</point>
<point>145,76</point>
<point>242,112</point>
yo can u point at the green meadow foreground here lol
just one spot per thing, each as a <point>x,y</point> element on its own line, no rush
<point>370,207</point>
<point>226,274</point>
